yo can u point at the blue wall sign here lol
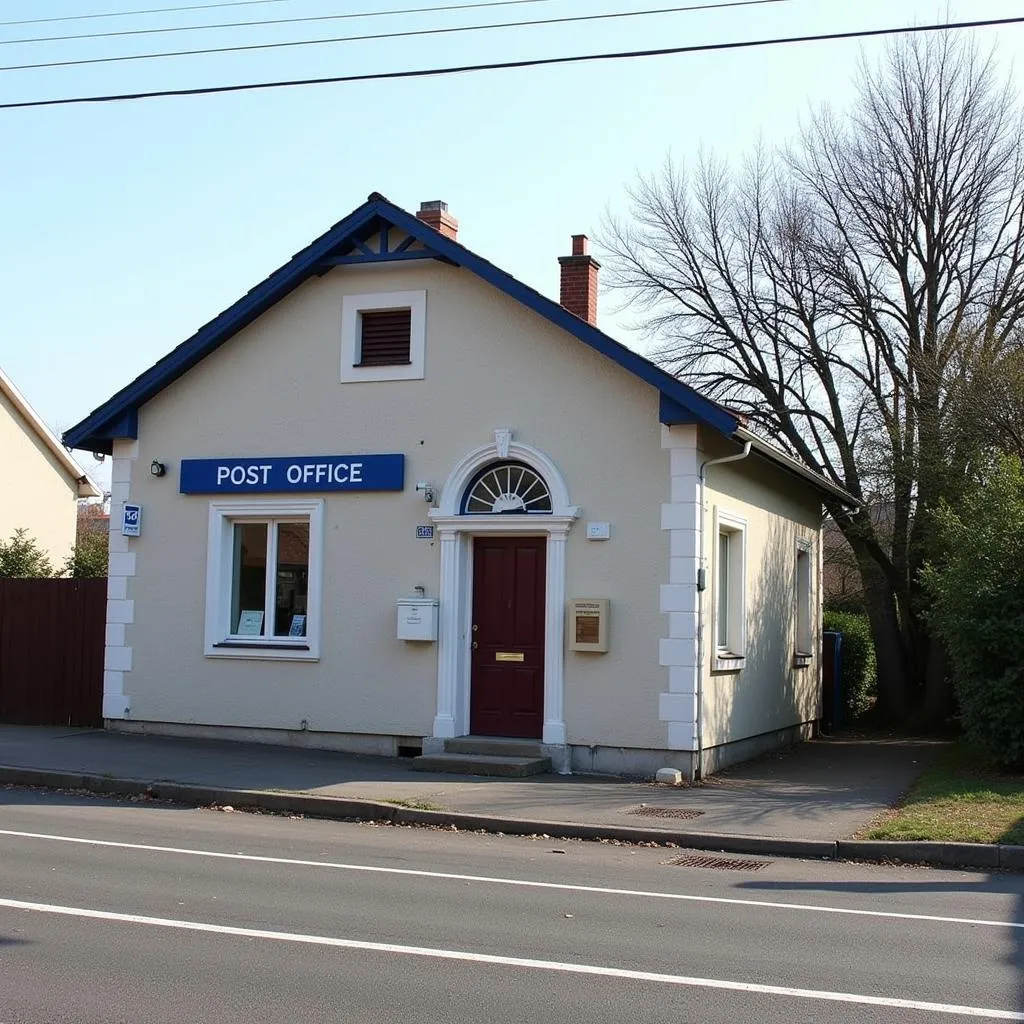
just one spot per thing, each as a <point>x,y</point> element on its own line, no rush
<point>283,474</point>
<point>131,520</point>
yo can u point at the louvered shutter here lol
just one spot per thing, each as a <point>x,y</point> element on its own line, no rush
<point>384,337</point>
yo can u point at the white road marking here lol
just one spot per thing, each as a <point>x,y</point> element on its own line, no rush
<point>524,883</point>
<point>516,961</point>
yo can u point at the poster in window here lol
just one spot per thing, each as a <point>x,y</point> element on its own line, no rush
<point>298,626</point>
<point>250,623</point>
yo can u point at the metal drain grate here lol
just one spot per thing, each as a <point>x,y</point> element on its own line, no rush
<point>651,811</point>
<point>693,860</point>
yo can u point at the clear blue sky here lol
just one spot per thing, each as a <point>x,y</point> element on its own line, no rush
<point>126,226</point>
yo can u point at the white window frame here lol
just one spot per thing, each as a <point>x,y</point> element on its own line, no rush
<point>732,657</point>
<point>803,631</point>
<point>354,305</point>
<point>219,556</point>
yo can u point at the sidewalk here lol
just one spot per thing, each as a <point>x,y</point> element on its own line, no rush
<point>800,802</point>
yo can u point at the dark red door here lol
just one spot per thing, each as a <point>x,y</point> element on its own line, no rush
<point>507,691</point>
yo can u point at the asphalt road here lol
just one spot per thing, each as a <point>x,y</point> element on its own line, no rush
<point>120,912</point>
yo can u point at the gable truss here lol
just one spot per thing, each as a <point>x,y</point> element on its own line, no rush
<point>357,250</point>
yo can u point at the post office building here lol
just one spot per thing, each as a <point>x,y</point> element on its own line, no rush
<point>393,496</point>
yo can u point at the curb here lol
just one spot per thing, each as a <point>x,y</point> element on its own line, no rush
<point>946,855</point>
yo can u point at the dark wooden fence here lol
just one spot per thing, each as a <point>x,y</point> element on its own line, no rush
<point>51,651</point>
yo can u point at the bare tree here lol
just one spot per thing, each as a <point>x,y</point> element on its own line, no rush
<point>833,293</point>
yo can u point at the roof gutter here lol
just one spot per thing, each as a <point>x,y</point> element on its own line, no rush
<point>795,466</point>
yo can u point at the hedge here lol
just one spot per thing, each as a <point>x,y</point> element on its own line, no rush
<point>859,677</point>
<point>977,610</point>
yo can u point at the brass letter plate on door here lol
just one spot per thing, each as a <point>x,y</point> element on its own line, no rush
<point>509,656</point>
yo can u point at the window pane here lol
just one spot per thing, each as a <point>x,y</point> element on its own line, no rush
<point>723,590</point>
<point>292,584</point>
<point>803,601</point>
<point>249,578</point>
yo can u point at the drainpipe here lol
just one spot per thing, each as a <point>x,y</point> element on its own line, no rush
<point>701,587</point>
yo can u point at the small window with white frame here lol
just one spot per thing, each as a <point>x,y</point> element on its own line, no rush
<point>383,336</point>
<point>804,618</point>
<point>730,593</point>
<point>263,580</point>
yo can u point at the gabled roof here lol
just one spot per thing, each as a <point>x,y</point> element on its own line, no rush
<point>86,488</point>
<point>345,244</point>
<point>117,417</point>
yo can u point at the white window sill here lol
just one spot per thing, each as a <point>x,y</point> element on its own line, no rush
<point>262,652</point>
<point>802,660</point>
<point>725,662</point>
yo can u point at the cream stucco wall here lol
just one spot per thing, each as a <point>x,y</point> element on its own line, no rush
<point>769,693</point>
<point>274,390</point>
<point>39,495</point>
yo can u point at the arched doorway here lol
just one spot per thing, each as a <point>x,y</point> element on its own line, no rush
<point>503,519</point>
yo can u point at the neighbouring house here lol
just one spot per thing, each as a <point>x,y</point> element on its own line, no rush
<point>393,497</point>
<point>43,482</point>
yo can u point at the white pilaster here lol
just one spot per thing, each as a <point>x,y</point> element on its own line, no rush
<point>448,637</point>
<point>554,642</point>
<point>678,597</point>
<point>120,571</point>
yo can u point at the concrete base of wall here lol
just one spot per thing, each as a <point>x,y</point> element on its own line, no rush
<point>641,763</point>
<point>717,758</point>
<point>632,762</point>
<point>344,742</point>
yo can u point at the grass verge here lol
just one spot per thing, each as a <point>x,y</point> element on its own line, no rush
<point>959,799</point>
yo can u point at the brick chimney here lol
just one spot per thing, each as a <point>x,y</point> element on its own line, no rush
<point>579,280</point>
<point>435,213</point>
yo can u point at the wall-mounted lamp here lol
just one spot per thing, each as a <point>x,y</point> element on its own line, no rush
<point>157,468</point>
<point>427,489</point>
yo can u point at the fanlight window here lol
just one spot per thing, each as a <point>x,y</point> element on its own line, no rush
<point>509,487</point>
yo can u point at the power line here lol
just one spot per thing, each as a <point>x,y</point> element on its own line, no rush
<point>386,35</point>
<point>267,21</point>
<point>153,10</point>
<point>538,62</point>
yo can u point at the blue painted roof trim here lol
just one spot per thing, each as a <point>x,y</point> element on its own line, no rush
<point>671,413</point>
<point>118,416</point>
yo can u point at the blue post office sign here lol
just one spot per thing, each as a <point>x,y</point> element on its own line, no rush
<point>293,473</point>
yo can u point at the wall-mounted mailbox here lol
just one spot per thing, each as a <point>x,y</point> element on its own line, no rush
<point>588,624</point>
<point>417,618</point>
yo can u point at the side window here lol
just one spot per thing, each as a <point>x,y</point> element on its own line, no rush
<point>804,590</point>
<point>730,601</point>
<point>383,336</point>
<point>263,579</point>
